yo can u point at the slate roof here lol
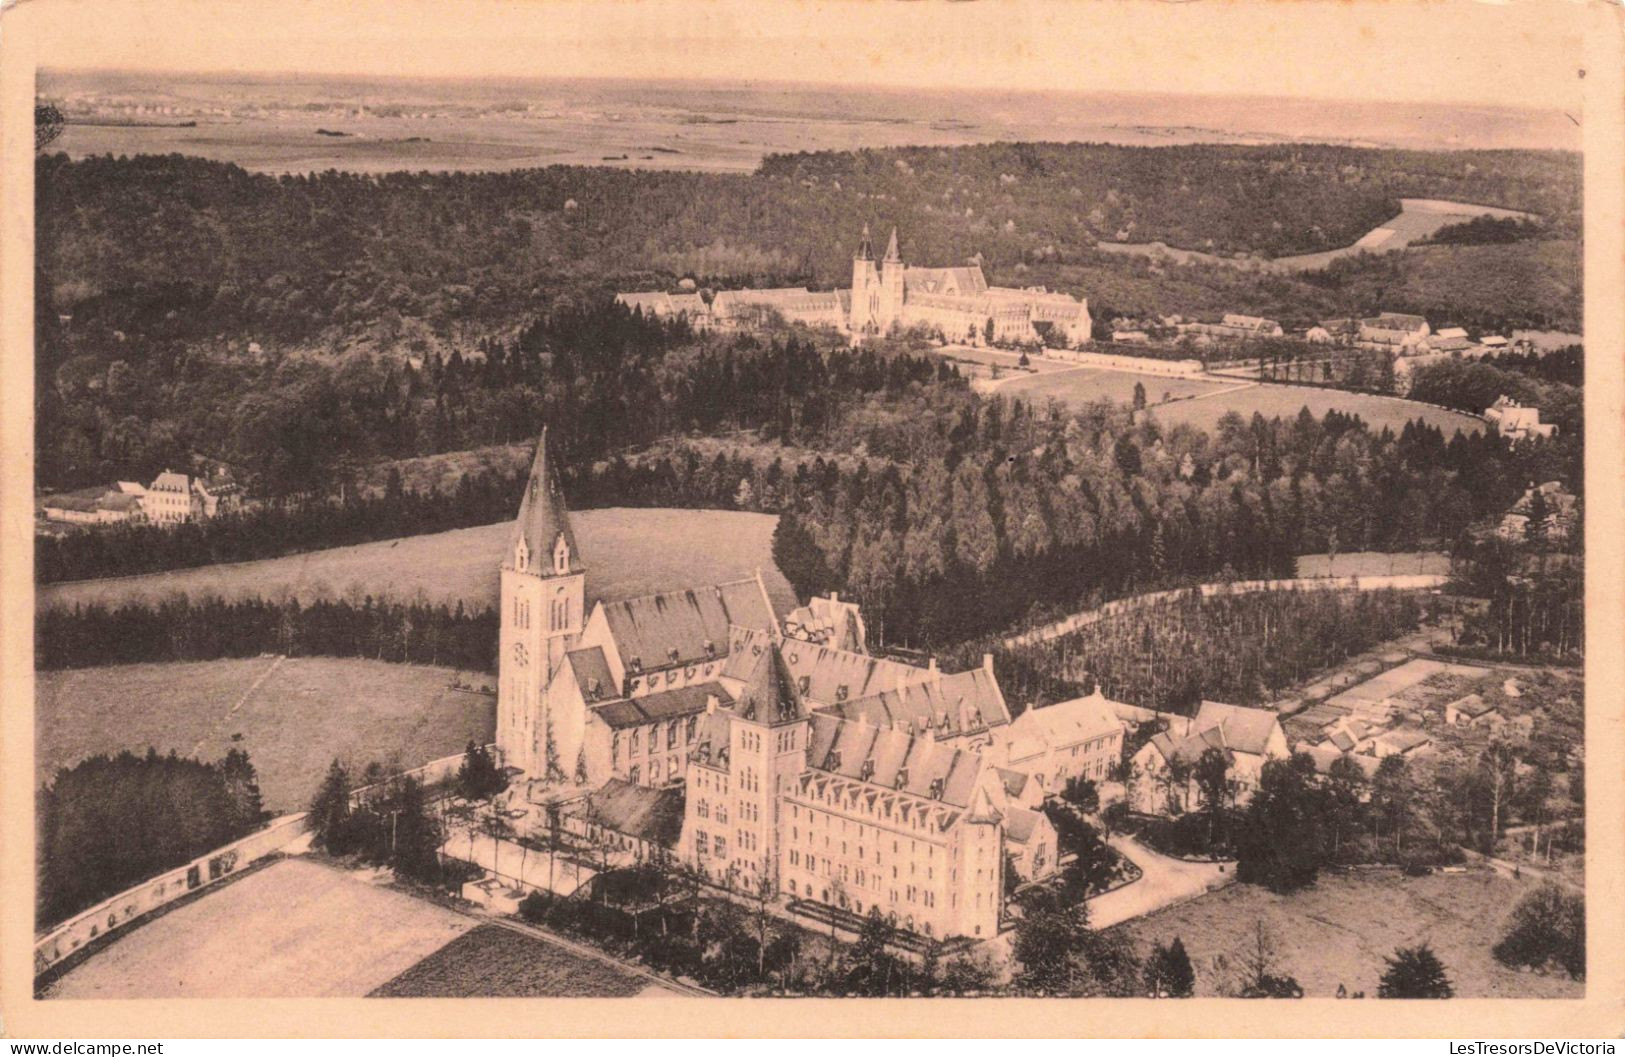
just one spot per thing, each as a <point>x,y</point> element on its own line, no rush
<point>769,694</point>
<point>658,707</point>
<point>543,517</point>
<point>965,281</point>
<point>1325,755</point>
<point>591,669</point>
<point>1015,782</point>
<point>652,815</point>
<point>1245,729</point>
<point>826,670</point>
<point>653,628</point>
<point>837,746</point>
<point>1019,824</point>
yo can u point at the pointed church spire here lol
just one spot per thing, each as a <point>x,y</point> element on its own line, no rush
<point>543,519</point>
<point>865,251</point>
<point>891,247</point>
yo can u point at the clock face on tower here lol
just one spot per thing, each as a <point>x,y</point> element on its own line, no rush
<point>521,656</point>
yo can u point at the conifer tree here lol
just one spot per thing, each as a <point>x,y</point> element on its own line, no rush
<point>330,812</point>
<point>1415,972</point>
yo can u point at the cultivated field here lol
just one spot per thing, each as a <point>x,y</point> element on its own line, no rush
<point>1339,931</point>
<point>296,929</point>
<point>495,962</point>
<point>628,552</point>
<point>292,715</point>
<point>1285,401</point>
<point>1083,385</point>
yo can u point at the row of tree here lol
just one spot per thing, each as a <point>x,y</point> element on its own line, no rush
<point>180,629</point>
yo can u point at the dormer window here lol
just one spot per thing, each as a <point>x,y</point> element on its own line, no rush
<point>936,789</point>
<point>521,555</point>
<point>867,771</point>
<point>710,648</point>
<point>840,692</point>
<point>635,664</point>
<point>561,556</point>
<point>804,683</point>
<point>671,655</point>
<point>902,777</point>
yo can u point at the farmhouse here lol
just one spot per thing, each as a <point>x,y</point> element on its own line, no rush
<point>1233,327</point>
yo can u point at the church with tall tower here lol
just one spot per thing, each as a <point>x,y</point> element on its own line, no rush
<point>769,751</point>
<point>953,304</point>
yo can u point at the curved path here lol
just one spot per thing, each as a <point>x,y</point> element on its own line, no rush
<point>1163,882</point>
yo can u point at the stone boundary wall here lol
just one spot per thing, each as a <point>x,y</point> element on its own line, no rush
<point>111,914</point>
<point>1067,625</point>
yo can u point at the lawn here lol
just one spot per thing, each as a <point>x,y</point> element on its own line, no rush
<point>296,929</point>
<point>293,716</point>
<point>496,962</point>
<point>1083,385</point>
<point>1285,401</point>
<point>628,552</point>
<point>1340,930</point>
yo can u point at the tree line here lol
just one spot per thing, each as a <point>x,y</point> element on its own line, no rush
<point>1240,648</point>
<point>110,822</point>
<point>183,629</point>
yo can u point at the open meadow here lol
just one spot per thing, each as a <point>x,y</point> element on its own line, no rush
<point>628,551</point>
<point>1340,930</point>
<point>293,715</point>
<point>1082,385</point>
<point>295,929</point>
<point>1285,401</point>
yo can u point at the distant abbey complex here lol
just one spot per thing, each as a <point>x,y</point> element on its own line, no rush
<point>954,304</point>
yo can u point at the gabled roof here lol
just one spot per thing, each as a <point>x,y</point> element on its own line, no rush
<point>1473,705</point>
<point>1245,729</point>
<point>652,815</point>
<point>169,481</point>
<point>651,628</point>
<point>543,517</point>
<point>1405,740</point>
<point>1067,723</point>
<point>837,746</point>
<point>964,281</point>
<point>1325,755</point>
<point>1015,782</point>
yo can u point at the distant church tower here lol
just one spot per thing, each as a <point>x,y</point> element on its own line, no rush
<point>865,289</point>
<point>544,587</point>
<point>891,286</point>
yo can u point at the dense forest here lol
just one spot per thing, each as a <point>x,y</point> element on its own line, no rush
<point>109,822</point>
<point>178,300</point>
<point>603,379</point>
<point>1008,512</point>
<point>1241,648</point>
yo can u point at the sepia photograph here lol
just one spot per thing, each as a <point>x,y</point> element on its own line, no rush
<point>843,500</point>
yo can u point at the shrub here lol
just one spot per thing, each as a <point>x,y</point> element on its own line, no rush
<point>1548,926</point>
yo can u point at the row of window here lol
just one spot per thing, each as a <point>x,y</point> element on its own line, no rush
<point>670,773</point>
<point>634,739</point>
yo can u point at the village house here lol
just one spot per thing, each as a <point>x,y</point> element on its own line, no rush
<point>1516,422</point>
<point>1246,736</point>
<point>1396,332</point>
<point>1234,327</point>
<point>1472,711</point>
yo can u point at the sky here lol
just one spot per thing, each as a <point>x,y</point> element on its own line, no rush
<point>1504,53</point>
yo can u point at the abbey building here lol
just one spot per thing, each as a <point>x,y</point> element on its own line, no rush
<point>797,761</point>
<point>953,304</point>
